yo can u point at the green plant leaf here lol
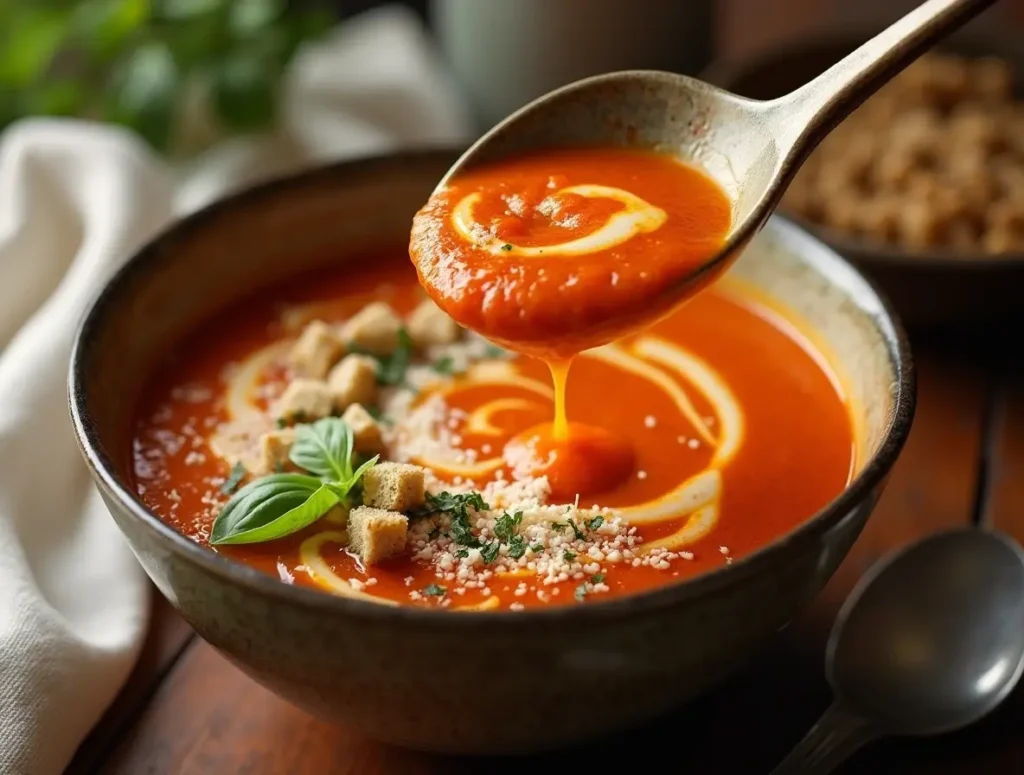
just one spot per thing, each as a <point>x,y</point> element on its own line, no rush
<point>29,40</point>
<point>145,93</point>
<point>189,9</point>
<point>245,90</point>
<point>249,16</point>
<point>103,27</point>
<point>272,507</point>
<point>325,449</point>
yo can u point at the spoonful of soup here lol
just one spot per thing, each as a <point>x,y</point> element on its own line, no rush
<point>603,205</point>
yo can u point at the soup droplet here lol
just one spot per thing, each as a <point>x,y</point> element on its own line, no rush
<point>585,461</point>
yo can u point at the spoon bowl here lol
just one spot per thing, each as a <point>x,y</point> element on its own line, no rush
<point>929,641</point>
<point>751,148</point>
<point>934,639</point>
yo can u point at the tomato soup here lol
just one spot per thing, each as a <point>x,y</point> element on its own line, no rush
<point>553,253</point>
<point>343,433</point>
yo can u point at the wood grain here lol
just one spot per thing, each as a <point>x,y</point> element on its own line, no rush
<point>207,717</point>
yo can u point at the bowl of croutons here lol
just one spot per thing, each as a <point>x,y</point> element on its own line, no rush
<point>923,185</point>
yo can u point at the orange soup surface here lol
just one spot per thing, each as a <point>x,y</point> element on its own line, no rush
<point>553,253</point>
<point>735,433</point>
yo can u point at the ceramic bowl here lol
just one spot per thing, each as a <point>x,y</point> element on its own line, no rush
<point>932,290</point>
<point>487,683</point>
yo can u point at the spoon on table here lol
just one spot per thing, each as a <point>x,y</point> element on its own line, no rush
<point>929,641</point>
<point>753,148</point>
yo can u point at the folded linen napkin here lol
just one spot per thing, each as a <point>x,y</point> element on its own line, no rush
<point>75,199</point>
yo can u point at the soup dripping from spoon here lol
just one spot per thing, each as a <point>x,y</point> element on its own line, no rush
<point>751,148</point>
<point>929,642</point>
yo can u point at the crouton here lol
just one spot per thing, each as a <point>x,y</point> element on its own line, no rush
<point>394,486</point>
<point>429,325</point>
<point>353,381</point>
<point>376,534</point>
<point>304,400</point>
<point>365,430</point>
<point>315,351</point>
<point>274,449</point>
<point>374,329</point>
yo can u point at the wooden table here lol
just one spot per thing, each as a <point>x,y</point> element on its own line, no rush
<point>186,710</point>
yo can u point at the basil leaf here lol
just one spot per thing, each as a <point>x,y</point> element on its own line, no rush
<point>272,507</point>
<point>325,449</point>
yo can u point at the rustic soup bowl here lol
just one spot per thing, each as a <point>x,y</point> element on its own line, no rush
<point>497,682</point>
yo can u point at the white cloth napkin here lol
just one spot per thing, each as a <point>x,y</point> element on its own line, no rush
<point>75,199</point>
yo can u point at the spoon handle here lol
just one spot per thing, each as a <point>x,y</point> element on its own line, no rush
<point>836,736</point>
<point>804,116</point>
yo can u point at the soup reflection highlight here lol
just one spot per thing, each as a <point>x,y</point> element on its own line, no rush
<point>734,433</point>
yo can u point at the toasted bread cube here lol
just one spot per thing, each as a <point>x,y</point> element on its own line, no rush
<point>353,381</point>
<point>365,430</point>
<point>315,351</point>
<point>374,329</point>
<point>394,486</point>
<point>304,400</point>
<point>274,449</point>
<point>376,534</point>
<point>429,325</point>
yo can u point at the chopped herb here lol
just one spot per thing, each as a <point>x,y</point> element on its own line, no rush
<point>506,247</point>
<point>493,351</point>
<point>595,523</point>
<point>489,552</point>
<point>506,525</point>
<point>516,547</point>
<point>580,535</point>
<point>462,553</point>
<point>279,467</point>
<point>581,591</point>
<point>445,365</point>
<point>597,578</point>
<point>568,556</point>
<point>559,526</point>
<point>377,414</point>
<point>446,503</point>
<point>234,478</point>
<point>434,590</point>
<point>461,532</point>
<point>390,368</point>
<point>281,422</point>
<point>457,508</point>
<point>537,547</point>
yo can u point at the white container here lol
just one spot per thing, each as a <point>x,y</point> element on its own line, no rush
<point>505,53</point>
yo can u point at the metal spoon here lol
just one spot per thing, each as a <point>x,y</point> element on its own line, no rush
<point>753,148</point>
<point>929,641</point>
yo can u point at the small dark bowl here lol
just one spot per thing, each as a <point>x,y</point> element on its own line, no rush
<point>931,289</point>
<point>427,679</point>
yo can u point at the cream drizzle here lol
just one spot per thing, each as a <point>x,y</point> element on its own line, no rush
<point>638,216</point>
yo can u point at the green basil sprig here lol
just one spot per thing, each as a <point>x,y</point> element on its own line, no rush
<point>279,505</point>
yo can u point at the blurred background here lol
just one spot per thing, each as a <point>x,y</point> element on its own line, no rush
<point>143,63</point>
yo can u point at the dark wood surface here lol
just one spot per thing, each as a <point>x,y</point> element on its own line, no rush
<point>187,710</point>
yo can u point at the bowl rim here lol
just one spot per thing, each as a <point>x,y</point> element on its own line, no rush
<point>105,476</point>
<point>726,71</point>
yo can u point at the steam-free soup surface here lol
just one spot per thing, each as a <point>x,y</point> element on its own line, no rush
<point>737,433</point>
<point>558,251</point>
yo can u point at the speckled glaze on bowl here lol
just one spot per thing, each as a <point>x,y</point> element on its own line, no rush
<point>425,679</point>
